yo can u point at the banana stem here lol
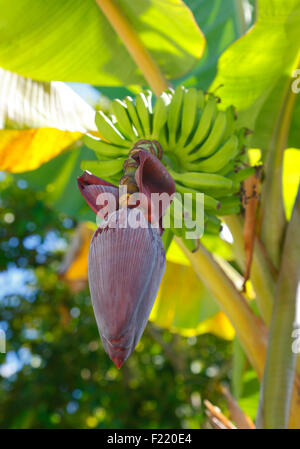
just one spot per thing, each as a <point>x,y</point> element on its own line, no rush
<point>273,218</point>
<point>277,386</point>
<point>294,422</point>
<point>260,275</point>
<point>135,47</point>
<point>250,329</point>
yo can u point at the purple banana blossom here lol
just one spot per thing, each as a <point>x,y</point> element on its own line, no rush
<point>126,264</point>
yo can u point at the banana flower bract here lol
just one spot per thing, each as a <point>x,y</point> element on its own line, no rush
<point>126,263</point>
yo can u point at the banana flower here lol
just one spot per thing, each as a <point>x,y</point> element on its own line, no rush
<point>126,262</point>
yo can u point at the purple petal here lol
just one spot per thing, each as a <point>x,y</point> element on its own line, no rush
<point>125,270</point>
<point>91,187</point>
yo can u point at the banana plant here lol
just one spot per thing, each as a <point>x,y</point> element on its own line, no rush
<point>200,136</point>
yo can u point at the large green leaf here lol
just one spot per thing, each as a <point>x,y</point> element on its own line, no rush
<point>222,23</point>
<point>71,40</point>
<point>250,69</point>
<point>250,395</point>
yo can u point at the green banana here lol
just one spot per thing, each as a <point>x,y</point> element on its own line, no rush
<point>175,114</point>
<point>189,114</point>
<point>133,116</point>
<point>243,135</point>
<point>175,218</point>
<point>219,159</point>
<point>204,125</point>
<point>163,137</point>
<point>213,224</point>
<point>102,148</point>
<point>230,205</point>
<point>108,130</point>
<point>195,137</point>
<point>235,189</point>
<point>120,111</point>
<point>180,214</point>
<point>104,168</point>
<point>160,115</point>
<point>229,167</point>
<point>242,174</point>
<point>142,108</point>
<point>210,203</point>
<point>200,106</point>
<point>199,111</point>
<point>203,181</point>
<point>214,139</point>
<point>148,96</point>
<point>231,122</point>
<point>201,99</point>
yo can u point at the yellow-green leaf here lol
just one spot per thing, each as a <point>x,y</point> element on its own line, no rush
<point>23,150</point>
<point>255,72</point>
<point>72,40</point>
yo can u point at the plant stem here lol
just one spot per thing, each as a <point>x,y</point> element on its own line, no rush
<point>294,422</point>
<point>273,218</point>
<point>261,274</point>
<point>250,329</point>
<point>277,386</point>
<point>135,47</point>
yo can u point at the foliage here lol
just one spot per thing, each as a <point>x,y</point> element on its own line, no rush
<point>94,52</point>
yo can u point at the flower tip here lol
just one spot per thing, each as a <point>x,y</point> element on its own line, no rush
<point>117,358</point>
<point>115,351</point>
<point>118,362</point>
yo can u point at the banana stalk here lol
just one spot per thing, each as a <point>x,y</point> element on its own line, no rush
<point>273,217</point>
<point>134,46</point>
<point>277,386</point>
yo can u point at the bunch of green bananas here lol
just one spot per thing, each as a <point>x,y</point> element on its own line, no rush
<point>202,149</point>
